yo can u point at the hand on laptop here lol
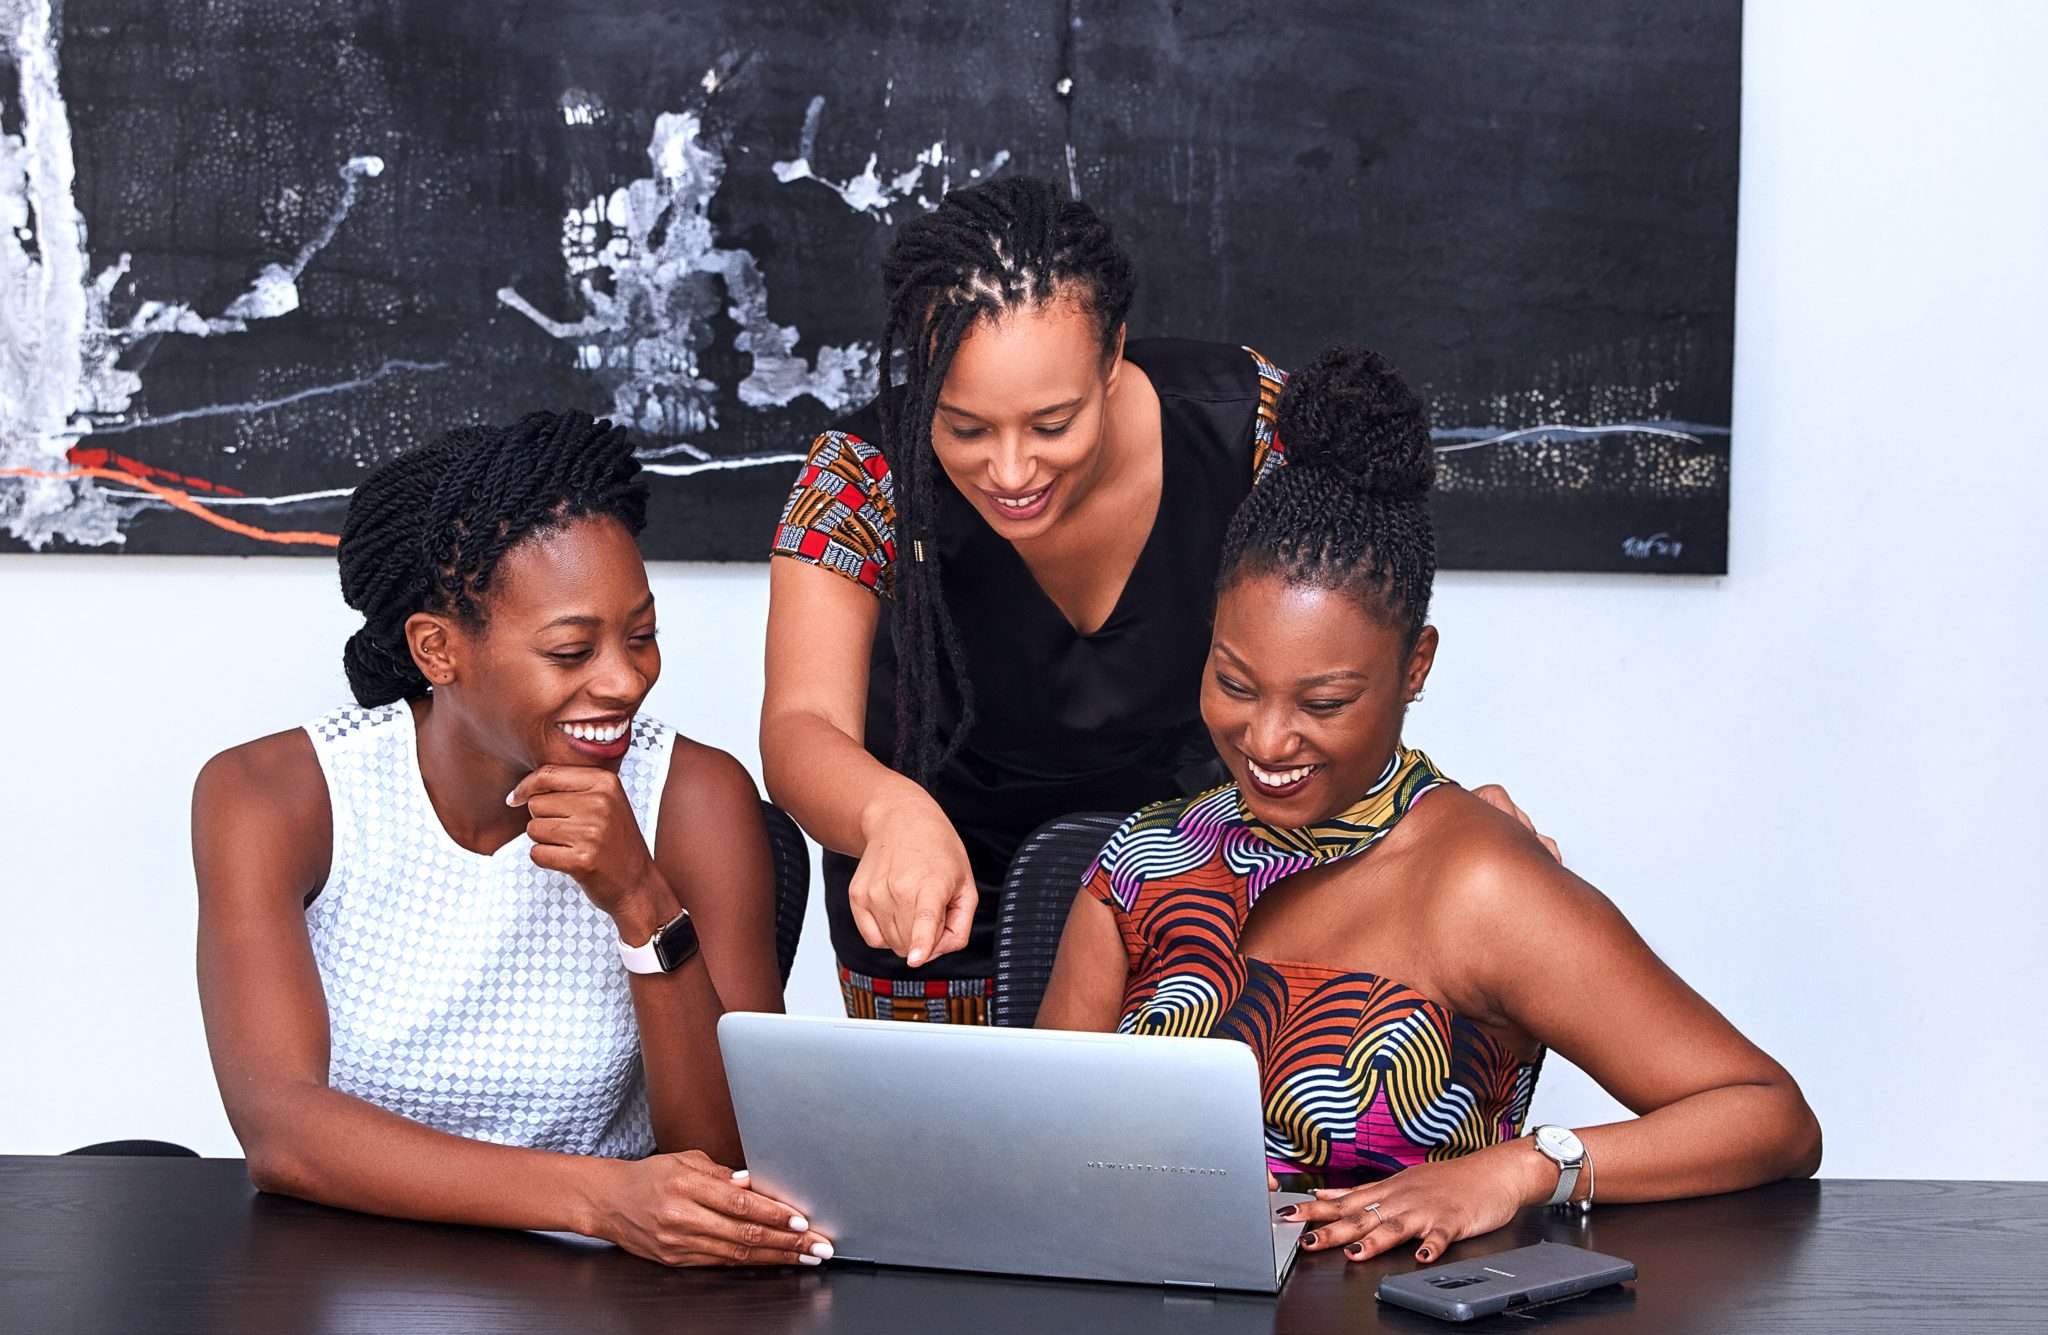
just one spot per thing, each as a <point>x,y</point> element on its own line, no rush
<point>1435,1203</point>
<point>683,1209</point>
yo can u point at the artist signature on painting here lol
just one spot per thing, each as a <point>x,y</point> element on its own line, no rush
<point>1657,544</point>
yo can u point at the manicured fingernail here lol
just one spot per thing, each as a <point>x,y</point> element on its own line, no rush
<point>916,958</point>
<point>822,1250</point>
<point>1356,1249</point>
<point>1424,1254</point>
<point>1287,1211</point>
<point>808,1260</point>
<point>740,1175</point>
<point>798,1224</point>
<point>1308,1239</point>
<point>509,796</point>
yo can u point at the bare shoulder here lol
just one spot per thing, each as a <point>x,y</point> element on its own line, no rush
<point>278,775</point>
<point>261,816</point>
<point>1491,877</point>
<point>704,781</point>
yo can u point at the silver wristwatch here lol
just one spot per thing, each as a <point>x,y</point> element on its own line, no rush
<point>1562,1146</point>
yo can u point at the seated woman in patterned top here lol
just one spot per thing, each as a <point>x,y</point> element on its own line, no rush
<point>417,915</point>
<point>1400,1004</point>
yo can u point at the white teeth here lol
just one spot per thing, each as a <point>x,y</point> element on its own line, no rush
<point>1024,504</point>
<point>1278,778</point>
<point>590,732</point>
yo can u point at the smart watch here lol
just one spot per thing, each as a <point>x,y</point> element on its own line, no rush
<point>672,943</point>
<point>1562,1146</point>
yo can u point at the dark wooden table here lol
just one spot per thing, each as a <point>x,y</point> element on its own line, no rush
<point>118,1245</point>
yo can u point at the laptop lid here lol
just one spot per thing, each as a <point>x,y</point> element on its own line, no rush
<point>1017,1151</point>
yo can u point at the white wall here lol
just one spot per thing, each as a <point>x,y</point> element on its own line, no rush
<point>1809,783</point>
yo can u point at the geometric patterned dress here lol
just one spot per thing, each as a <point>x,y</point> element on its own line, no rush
<point>1361,1076</point>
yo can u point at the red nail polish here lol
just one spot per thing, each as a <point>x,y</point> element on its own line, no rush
<point>1308,1239</point>
<point>1424,1253</point>
<point>1287,1211</point>
<point>1356,1249</point>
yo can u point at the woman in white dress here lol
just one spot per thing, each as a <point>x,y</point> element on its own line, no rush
<point>463,945</point>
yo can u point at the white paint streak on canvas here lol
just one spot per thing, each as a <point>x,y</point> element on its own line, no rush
<point>265,405</point>
<point>60,352</point>
<point>276,289</point>
<point>58,364</point>
<point>871,191</point>
<point>652,276</point>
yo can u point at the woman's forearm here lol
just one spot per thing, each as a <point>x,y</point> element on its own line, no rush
<point>687,1095</point>
<point>1723,1139</point>
<point>827,780</point>
<point>322,1145</point>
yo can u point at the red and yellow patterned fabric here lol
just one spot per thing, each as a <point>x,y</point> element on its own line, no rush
<point>932,1000</point>
<point>842,512</point>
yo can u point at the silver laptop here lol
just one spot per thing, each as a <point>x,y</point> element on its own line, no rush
<point>1019,1151</point>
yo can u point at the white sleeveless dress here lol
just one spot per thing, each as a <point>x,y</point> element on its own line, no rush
<point>482,996</point>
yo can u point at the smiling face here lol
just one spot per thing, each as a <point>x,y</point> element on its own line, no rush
<point>1304,695</point>
<point>564,658</point>
<point>1019,427</point>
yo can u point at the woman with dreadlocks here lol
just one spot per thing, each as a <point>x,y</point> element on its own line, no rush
<point>1038,504</point>
<point>463,945</point>
<point>1397,954</point>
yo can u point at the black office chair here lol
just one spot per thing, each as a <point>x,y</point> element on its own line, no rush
<point>1044,877</point>
<point>792,882</point>
<point>135,1149</point>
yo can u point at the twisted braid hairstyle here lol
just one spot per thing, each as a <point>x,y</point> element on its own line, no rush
<point>986,250</point>
<point>426,531</point>
<point>1350,511</point>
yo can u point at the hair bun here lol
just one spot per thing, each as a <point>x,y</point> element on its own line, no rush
<point>1349,411</point>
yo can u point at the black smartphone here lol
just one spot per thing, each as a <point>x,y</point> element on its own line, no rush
<point>1504,1281</point>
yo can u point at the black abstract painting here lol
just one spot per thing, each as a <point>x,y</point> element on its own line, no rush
<point>251,250</point>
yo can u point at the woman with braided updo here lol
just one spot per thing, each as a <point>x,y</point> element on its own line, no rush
<point>463,945</point>
<point>1037,505</point>
<point>1400,1003</point>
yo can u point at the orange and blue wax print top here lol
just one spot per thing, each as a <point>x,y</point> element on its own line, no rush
<point>1361,1075</point>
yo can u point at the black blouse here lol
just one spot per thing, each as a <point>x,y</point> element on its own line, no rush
<point>1065,722</point>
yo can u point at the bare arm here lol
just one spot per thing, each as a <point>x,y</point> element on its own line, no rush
<point>1086,991</point>
<point>261,837</point>
<point>1714,1112</point>
<point>711,852</point>
<point>914,892</point>
<point>1551,957</point>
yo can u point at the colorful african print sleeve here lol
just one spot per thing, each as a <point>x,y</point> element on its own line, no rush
<point>1268,453</point>
<point>841,514</point>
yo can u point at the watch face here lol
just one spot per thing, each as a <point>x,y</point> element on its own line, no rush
<point>1560,1143</point>
<point>676,942</point>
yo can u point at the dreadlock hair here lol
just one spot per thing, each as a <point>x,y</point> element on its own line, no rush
<point>1350,511</point>
<point>986,250</point>
<point>426,531</point>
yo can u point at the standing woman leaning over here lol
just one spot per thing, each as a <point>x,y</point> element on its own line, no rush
<point>425,920</point>
<point>1037,509</point>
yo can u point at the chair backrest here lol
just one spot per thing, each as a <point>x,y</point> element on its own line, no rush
<point>136,1149</point>
<point>1039,890</point>
<point>792,882</point>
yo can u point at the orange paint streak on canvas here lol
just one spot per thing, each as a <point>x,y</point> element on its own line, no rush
<point>183,501</point>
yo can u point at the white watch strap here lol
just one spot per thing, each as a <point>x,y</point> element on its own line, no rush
<point>640,959</point>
